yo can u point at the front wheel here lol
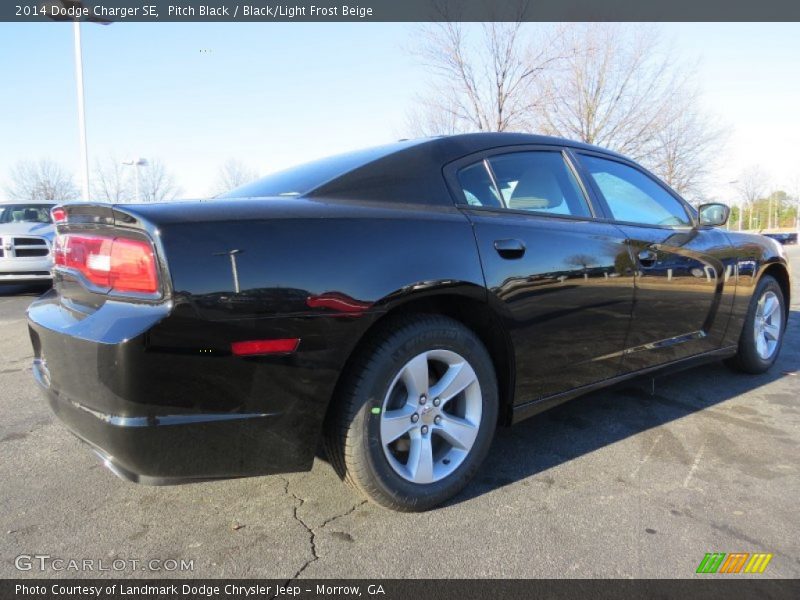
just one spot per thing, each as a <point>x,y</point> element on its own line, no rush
<point>416,414</point>
<point>764,325</point>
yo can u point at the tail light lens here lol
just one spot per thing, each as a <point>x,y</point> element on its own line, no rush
<point>59,214</point>
<point>121,264</point>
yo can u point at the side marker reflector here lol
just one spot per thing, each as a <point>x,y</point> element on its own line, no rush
<point>257,347</point>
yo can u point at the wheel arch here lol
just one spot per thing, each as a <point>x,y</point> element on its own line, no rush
<point>466,308</point>
<point>780,273</point>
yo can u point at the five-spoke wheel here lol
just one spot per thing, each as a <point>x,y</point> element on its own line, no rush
<point>430,416</point>
<point>417,413</point>
<point>763,330</point>
<point>768,324</point>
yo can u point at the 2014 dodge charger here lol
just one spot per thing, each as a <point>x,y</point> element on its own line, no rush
<point>397,302</point>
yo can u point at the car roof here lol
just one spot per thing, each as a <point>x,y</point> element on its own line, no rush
<point>407,171</point>
<point>411,171</point>
<point>467,143</point>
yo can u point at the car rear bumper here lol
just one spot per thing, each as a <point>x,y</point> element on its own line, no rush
<point>157,415</point>
<point>158,450</point>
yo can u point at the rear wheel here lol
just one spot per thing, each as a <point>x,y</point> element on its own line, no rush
<point>764,325</point>
<point>416,414</point>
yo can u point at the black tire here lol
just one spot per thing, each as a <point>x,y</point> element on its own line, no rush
<point>353,432</point>
<point>747,358</point>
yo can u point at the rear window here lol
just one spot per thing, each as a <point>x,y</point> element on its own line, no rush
<point>298,181</point>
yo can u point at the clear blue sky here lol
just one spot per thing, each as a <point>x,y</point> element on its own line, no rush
<point>276,94</point>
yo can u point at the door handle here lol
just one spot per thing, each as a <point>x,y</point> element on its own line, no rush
<point>647,257</point>
<point>509,248</point>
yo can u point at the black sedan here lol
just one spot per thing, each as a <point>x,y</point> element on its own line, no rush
<point>398,303</point>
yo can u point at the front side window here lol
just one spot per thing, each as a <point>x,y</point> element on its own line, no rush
<point>634,197</point>
<point>538,181</point>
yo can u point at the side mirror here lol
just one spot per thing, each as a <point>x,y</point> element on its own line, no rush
<point>713,214</point>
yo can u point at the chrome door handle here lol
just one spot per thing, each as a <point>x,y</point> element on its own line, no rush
<point>510,248</point>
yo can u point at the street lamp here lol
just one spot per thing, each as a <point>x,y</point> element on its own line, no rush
<point>76,30</point>
<point>136,163</point>
<point>741,211</point>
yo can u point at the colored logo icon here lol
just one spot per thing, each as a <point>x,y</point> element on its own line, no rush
<point>736,562</point>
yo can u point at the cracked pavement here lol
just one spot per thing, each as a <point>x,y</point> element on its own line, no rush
<point>637,481</point>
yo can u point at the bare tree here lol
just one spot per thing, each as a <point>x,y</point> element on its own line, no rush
<point>604,84</point>
<point>156,184</point>
<point>111,181</point>
<point>685,145</point>
<point>612,89</point>
<point>233,174</point>
<point>40,180</point>
<point>484,84</point>
<point>751,185</point>
<point>434,119</point>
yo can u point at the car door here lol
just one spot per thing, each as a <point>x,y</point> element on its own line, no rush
<point>684,273</point>
<point>562,281</point>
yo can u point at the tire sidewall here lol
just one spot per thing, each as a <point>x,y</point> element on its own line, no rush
<point>401,349</point>
<point>747,345</point>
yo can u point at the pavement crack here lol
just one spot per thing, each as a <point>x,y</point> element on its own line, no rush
<point>349,511</point>
<point>312,535</point>
<point>312,531</point>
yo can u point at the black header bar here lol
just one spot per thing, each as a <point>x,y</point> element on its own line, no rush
<point>179,11</point>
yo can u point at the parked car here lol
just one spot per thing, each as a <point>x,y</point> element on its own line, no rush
<point>784,237</point>
<point>26,236</point>
<point>397,302</point>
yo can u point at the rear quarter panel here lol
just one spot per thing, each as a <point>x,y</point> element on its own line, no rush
<point>321,272</point>
<point>324,280</point>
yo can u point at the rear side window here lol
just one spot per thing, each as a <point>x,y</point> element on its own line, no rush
<point>634,197</point>
<point>478,187</point>
<point>537,181</point>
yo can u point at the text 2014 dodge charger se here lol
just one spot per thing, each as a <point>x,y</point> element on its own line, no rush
<point>397,302</point>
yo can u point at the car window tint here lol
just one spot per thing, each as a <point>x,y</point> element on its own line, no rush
<point>540,182</point>
<point>477,186</point>
<point>634,197</point>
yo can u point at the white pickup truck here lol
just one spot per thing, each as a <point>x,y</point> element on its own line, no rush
<point>26,240</point>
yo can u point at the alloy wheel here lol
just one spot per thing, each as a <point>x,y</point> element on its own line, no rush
<point>767,323</point>
<point>430,416</point>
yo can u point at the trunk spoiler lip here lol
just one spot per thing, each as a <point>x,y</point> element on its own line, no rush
<point>99,213</point>
<point>96,216</point>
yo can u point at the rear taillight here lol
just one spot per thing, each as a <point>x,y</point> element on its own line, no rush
<point>120,264</point>
<point>59,214</point>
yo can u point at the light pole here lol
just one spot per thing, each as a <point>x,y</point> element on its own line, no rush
<point>797,215</point>
<point>732,183</point>
<point>76,30</point>
<point>797,210</point>
<point>136,163</point>
<point>234,269</point>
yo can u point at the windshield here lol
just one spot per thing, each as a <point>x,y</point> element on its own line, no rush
<point>25,213</point>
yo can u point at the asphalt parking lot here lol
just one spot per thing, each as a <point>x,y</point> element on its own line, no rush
<point>638,481</point>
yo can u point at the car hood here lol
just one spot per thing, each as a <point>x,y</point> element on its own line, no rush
<point>41,229</point>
